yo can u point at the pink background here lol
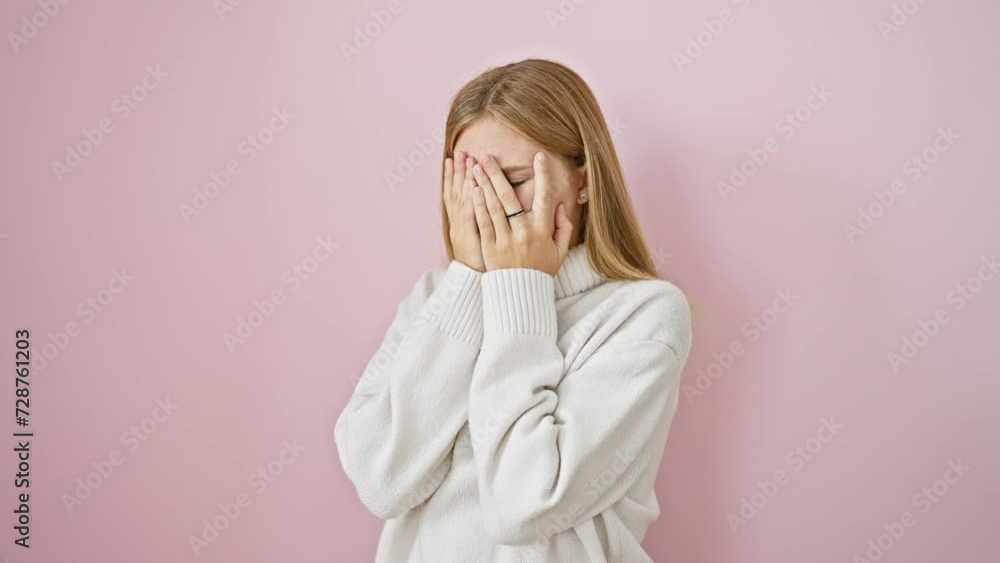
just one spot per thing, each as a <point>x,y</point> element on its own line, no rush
<point>324,175</point>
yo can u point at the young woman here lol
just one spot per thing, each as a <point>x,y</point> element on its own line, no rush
<point>518,407</point>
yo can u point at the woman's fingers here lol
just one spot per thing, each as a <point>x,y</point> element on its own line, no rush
<point>458,190</point>
<point>483,218</point>
<point>541,207</point>
<point>449,172</point>
<point>500,184</point>
<point>468,180</point>
<point>466,187</point>
<point>501,226</point>
<point>459,171</point>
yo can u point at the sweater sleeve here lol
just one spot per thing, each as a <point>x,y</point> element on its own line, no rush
<point>557,444</point>
<point>395,435</point>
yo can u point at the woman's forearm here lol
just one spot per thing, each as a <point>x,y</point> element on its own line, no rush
<point>396,433</point>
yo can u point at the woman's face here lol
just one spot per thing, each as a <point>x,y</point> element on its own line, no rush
<point>515,154</point>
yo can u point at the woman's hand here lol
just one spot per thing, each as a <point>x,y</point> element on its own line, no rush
<point>464,234</point>
<point>537,239</point>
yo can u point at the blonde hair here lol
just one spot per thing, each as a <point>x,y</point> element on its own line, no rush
<point>550,104</point>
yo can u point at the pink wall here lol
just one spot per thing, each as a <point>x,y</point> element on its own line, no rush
<point>264,98</point>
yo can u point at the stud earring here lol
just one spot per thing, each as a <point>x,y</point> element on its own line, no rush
<point>583,197</point>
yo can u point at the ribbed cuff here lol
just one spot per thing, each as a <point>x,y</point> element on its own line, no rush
<point>456,306</point>
<point>519,301</point>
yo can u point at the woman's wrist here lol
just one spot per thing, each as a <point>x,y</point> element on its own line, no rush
<point>519,301</point>
<point>480,269</point>
<point>456,305</point>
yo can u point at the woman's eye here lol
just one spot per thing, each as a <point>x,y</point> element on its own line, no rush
<point>516,184</point>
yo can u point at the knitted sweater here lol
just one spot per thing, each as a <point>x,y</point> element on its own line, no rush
<point>514,416</point>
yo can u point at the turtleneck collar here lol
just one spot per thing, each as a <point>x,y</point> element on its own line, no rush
<point>576,274</point>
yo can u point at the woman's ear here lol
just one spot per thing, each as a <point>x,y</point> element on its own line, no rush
<point>581,178</point>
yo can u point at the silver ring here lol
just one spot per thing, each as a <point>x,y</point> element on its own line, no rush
<point>515,214</point>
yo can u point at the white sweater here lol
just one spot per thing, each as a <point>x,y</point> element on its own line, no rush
<point>513,416</point>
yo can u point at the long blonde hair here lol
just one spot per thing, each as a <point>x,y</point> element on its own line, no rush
<point>550,104</point>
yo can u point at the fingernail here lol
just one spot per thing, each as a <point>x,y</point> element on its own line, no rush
<point>540,156</point>
<point>478,169</point>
